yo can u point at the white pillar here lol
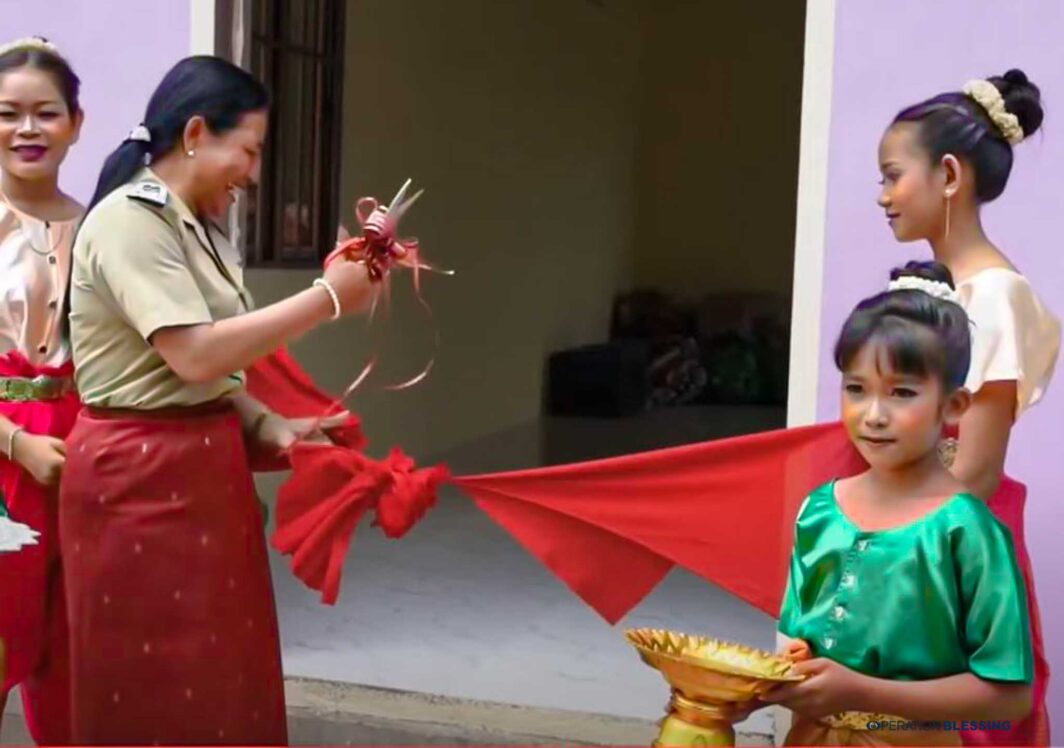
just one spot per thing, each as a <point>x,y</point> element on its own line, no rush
<point>811,213</point>
<point>201,27</point>
<point>806,303</point>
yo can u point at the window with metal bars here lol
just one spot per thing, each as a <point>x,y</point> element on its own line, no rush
<point>296,47</point>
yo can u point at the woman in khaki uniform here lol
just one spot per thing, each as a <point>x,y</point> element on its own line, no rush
<point>174,631</point>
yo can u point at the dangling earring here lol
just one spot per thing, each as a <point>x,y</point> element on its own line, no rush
<point>949,199</point>
<point>947,451</point>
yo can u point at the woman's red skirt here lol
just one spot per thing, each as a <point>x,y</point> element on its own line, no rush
<point>173,625</point>
<point>33,622</point>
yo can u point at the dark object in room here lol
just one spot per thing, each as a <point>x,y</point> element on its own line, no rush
<point>605,380</point>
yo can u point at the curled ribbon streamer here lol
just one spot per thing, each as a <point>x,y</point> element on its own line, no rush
<point>380,248</point>
<point>337,405</point>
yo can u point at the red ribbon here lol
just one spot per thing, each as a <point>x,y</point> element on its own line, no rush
<point>380,249</point>
<point>610,529</point>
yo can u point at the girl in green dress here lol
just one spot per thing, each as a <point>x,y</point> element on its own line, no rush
<point>903,587</point>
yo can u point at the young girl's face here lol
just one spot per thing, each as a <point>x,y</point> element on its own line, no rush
<point>895,419</point>
<point>913,189</point>
<point>36,127</point>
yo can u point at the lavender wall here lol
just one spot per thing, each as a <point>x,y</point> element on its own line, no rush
<point>891,54</point>
<point>120,49</point>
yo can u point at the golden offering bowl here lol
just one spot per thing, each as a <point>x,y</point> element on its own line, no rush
<point>712,682</point>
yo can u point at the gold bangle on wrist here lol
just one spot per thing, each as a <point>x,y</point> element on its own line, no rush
<point>11,442</point>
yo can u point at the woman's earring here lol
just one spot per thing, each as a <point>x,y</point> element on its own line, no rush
<point>192,152</point>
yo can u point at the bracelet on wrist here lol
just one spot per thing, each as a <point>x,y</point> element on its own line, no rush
<point>333,296</point>
<point>11,442</point>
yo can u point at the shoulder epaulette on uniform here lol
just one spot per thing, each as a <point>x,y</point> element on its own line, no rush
<point>149,192</point>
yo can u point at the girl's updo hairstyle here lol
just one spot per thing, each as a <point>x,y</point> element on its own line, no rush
<point>956,123</point>
<point>922,333</point>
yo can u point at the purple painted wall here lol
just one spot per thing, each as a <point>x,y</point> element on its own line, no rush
<point>120,49</point>
<point>891,54</point>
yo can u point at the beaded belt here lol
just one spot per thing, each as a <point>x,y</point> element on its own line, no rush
<point>24,390</point>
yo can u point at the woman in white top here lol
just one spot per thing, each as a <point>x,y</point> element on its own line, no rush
<point>940,161</point>
<point>39,120</point>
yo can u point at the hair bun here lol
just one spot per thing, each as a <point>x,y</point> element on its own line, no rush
<point>1016,77</point>
<point>1022,98</point>
<point>931,271</point>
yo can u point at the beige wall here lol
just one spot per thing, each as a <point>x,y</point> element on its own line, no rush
<point>718,145</point>
<point>519,120</point>
<point>568,149</point>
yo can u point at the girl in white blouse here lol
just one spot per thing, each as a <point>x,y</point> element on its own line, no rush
<point>940,161</point>
<point>39,121</point>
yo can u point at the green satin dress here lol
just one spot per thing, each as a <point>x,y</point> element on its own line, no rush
<point>936,597</point>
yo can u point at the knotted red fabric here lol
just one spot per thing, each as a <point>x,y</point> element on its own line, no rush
<point>332,486</point>
<point>610,529</point>
<point>330,489</point>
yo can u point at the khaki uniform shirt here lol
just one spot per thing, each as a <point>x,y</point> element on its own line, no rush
<point>142,262</point>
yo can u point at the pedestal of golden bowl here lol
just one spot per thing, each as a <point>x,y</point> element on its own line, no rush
<point>712,682</point>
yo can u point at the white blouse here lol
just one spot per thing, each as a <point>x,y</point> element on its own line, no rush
<point>1014,336</point>
<point>34,267</point>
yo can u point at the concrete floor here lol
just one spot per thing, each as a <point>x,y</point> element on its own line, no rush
<point>336,714</point>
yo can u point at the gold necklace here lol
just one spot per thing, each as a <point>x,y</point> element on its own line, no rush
<point>23,216</point>
<point>47,228</point>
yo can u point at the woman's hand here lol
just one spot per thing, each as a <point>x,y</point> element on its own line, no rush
<point>795,650</point>
<point>828,688</point>
<point>352,284</point>
<point>278,433</point>
<point>742,710</point>
<point>43,457</point>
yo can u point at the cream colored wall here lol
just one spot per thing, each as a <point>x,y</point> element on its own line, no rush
<point>519,119</point>
<point>568,149</point>
<point>718,145</point>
